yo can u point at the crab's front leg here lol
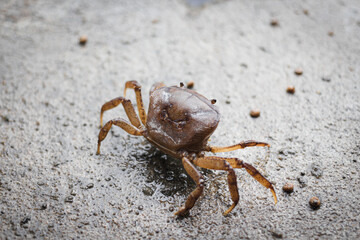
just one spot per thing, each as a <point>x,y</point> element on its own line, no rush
<point>137,88</point>
<point>120,123</point>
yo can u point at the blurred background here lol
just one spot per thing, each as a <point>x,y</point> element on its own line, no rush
<point>296,63</point>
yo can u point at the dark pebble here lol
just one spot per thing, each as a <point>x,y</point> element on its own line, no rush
<point>171,209</point>
<point>43,206</point>
<point>25,220</point>
<point>140,207</point>
<point>290,90</point>
<point>255,113</point>
<point>326,79</point>
<point>298,71</point>
<point>69,199</point>
<point>190,85</point>
<point>288,188</point>
<point>274,23</point>
<point>276,234</point>
<point>89,186</point>
<point>83,40</point>
<point>315,203</point>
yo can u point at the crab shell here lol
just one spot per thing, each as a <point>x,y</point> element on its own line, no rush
<point>180,119</point>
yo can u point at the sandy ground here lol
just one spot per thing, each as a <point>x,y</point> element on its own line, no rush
<point>52,185</point>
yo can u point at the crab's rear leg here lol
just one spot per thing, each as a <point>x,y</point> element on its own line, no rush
<point>237,163</point>
<point>137,88</point>
<point>218,163</point>
<point>241,145</point>
<point>117,122</point>
<point>194,195</point>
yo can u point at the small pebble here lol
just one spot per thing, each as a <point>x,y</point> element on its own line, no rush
<point>306,12</point>
<point>148,191</point>
<point>69,199</point>
<point>302,181</point>
<point>315,203</point>
<point>5,119</point>
<point>171,209</point>
<point>326,79</point>
<point>288,188</point>
<point>290,90</point>
<point>331,33</point>
<point>43,206</point>
<point>274,23</point>
<point>90,185</point>
<point>190,85</point>
<point>298,71</point>
<point>140,207</point>
<point>276,233</point>
<point>316,170</point>
<point>83,40</point>
<point>25,220</point>
<point>255,113</point>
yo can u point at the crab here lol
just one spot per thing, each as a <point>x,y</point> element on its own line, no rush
<point>180,122</point>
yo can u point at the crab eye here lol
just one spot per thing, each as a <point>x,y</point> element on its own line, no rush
<point>181,84</point>
<point>213,101</point>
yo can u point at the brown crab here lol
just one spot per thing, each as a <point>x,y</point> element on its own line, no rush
<point>179,123</point>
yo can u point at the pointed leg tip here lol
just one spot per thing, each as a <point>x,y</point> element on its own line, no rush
<point>274,195</point>
<point>181,212</point>
<point>229,210</point>
<point>225,213</point>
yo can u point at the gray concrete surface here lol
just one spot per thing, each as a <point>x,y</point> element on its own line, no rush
<point>53,185</point>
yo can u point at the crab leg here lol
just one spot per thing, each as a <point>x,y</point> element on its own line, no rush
<point>129,109</point>
<point>194,195</point>
<point>240,145</point>
<point>117,122</point>
<point>237,163</point>
<point>218,163</point>
<point>156,86</point>
<point>137,87</point>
